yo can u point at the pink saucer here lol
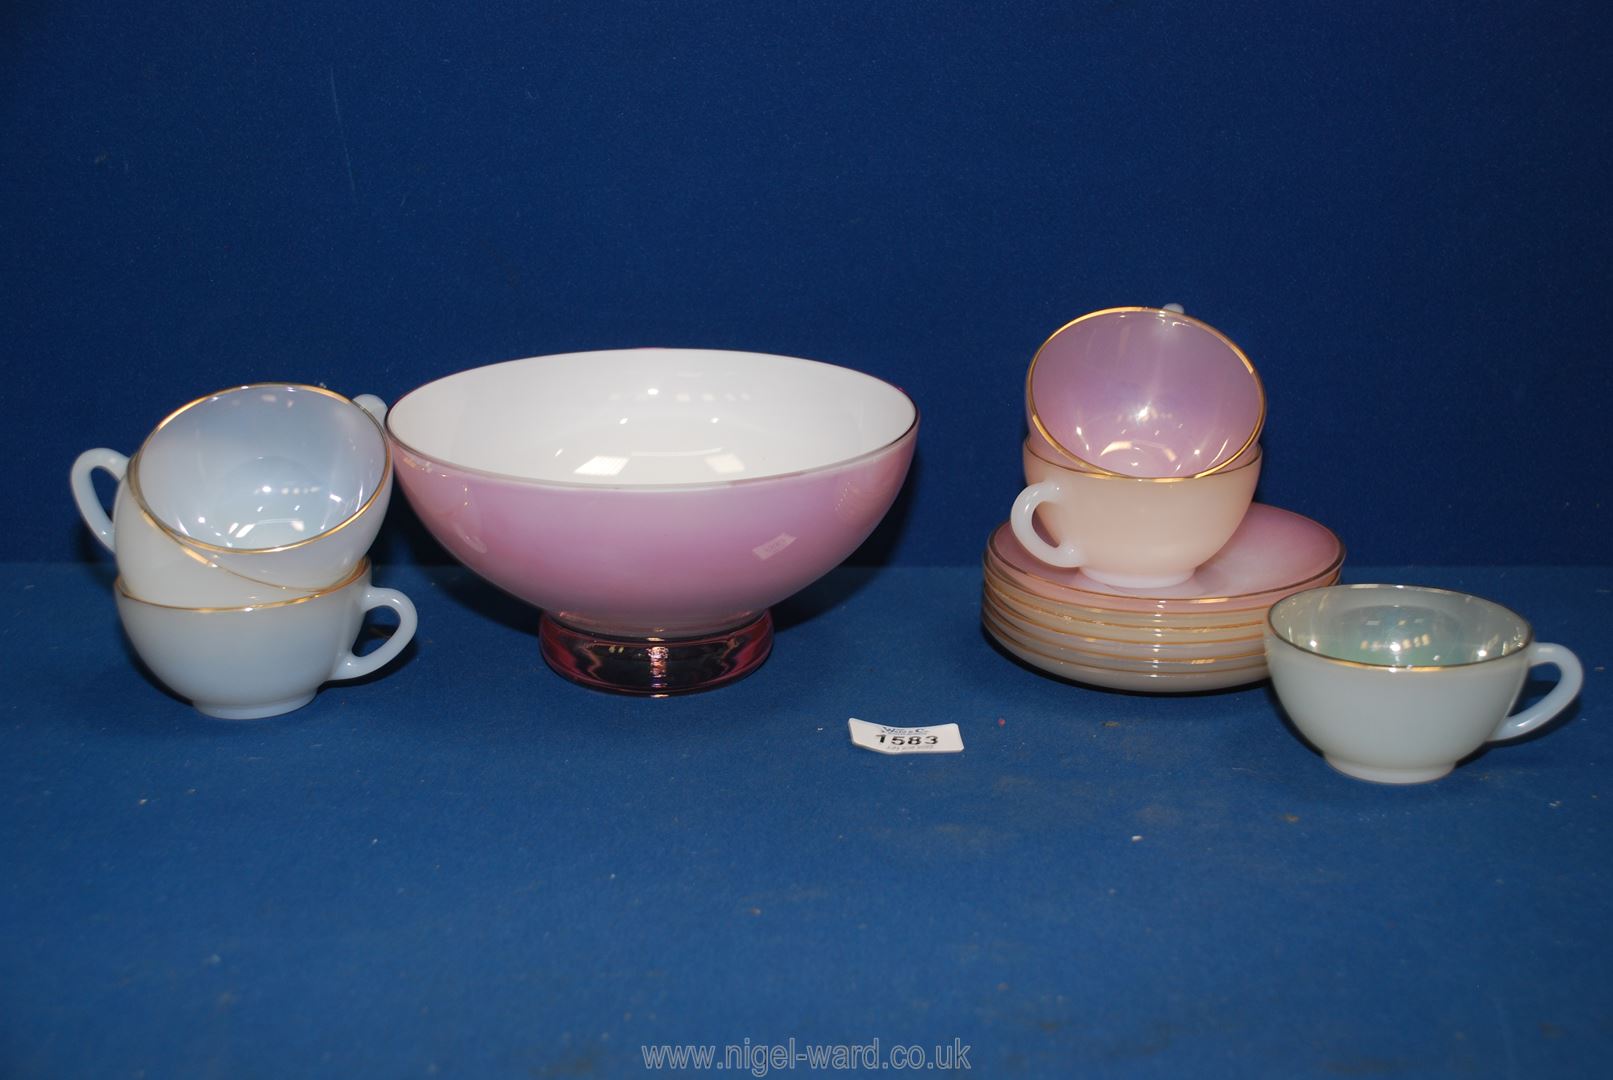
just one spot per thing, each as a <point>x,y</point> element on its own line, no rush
<point>1215,678</point>
<point>1273,552</point>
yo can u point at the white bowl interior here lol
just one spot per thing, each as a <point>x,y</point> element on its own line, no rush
<point>651,417</point>
<point>1398,625</point>
<point>261,466</point>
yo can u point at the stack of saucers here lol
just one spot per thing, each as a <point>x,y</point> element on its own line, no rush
<point>241,529</point>
<point>1136,559</point>
<point>1203,634</point>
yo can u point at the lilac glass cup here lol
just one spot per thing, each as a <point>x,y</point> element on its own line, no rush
<point>1139,391</point>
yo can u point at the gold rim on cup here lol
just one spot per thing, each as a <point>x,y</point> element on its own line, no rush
<point>1036,420</point>
<point>133,473</point>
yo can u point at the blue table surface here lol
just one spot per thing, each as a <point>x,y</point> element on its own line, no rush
<point>468,866</point>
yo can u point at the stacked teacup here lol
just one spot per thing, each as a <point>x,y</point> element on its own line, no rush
<point>241,529</point>
<point>1131,559</point>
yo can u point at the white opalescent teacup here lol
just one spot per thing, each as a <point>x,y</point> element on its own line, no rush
<point>250,662</point>
<point>153,564</point>
<point>281,483</point>
<point>1397,683</point>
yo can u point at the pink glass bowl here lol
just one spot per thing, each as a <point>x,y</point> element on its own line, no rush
<point>1144,392</point>
<point>655,503</point>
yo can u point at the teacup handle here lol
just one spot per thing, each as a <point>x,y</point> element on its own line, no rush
<point>89,503</point>
<point>1022,521</point>
<point>352,666</point>
<point>1570,677</point>
<point>372,405</point>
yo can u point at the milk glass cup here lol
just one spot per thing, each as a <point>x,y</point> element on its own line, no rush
<point>251,662</point>
<point>1397,683</point>
<point>280,483</point>
<point>1127,531</point>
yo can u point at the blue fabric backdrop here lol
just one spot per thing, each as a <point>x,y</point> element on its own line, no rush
<point>1399,209</point>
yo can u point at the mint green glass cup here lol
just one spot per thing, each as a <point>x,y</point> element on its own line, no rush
<point>1397,683</point>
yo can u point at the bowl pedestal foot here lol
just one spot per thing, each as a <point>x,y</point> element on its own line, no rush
<point>655,667</point>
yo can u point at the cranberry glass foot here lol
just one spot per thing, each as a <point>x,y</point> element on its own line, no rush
<point>655,666</point>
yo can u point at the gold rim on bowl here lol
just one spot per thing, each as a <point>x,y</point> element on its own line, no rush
<point>515,478</point>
